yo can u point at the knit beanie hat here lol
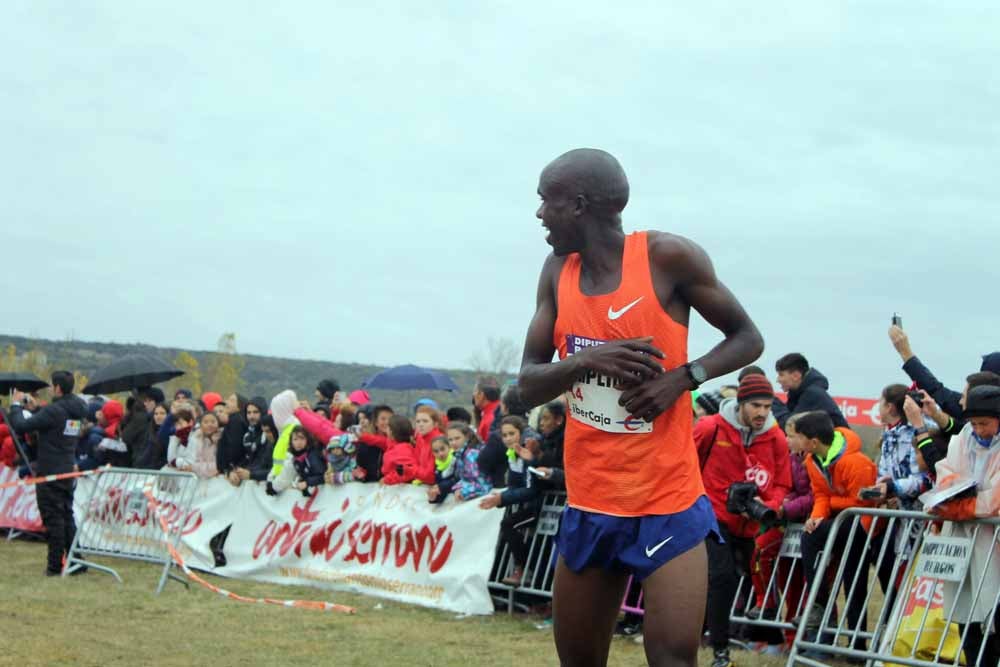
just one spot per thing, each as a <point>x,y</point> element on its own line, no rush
<point>709,401</point>
<point>754,386</point>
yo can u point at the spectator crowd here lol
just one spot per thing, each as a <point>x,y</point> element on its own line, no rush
<point>765,464</point>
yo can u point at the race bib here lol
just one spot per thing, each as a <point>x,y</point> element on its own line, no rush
<point>73,428</point>
<point>593,399</point>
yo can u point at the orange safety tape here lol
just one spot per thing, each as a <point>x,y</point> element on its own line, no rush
<point>300,604</point>
<point>29,481</point>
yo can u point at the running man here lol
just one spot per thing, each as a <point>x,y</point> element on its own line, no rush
<point>616,307</point>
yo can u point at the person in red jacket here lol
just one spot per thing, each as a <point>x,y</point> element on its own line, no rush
<point>8,453</point>
<point>427,424</point>
<point>399,465</point>
<point>742,443</point>
<point>486,400</point>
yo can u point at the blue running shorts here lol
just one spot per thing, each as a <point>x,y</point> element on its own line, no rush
<point>635,545</point>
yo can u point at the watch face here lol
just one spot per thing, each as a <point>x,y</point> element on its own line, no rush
<point>698,373</point>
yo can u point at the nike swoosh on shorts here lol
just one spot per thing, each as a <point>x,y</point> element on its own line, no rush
<point>652,550</point>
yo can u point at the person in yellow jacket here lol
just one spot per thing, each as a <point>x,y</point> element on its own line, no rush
<point>283,412</point>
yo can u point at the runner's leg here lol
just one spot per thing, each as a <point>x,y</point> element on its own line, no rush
<point>675,597</point>
<point>585,606</point>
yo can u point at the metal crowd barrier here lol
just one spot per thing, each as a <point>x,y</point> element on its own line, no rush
<point>935,583</point>
<point>779,600</point>
<point>117,521</point>
<point>538,571</point>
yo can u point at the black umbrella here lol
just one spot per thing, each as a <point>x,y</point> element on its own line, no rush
<point>20,381</point>
<point>134,371</point>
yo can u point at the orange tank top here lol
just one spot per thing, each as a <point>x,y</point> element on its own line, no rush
<point>615,463</point>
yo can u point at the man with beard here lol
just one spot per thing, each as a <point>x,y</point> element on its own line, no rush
<point>742,444</point>
<point>616,308</point>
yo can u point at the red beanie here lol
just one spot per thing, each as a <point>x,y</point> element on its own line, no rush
<point>754,386</point>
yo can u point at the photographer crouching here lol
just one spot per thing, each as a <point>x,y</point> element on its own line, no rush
<point>58,425</point>
<point>746,470</point>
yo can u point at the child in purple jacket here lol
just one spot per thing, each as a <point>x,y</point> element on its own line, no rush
<point>467,481</point>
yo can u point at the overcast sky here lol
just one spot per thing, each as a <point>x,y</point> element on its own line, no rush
<point>358,183</point>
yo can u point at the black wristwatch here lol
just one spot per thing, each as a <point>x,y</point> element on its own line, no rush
<point>696,373</point>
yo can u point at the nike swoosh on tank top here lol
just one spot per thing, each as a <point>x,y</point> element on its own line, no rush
<point>616,463</point>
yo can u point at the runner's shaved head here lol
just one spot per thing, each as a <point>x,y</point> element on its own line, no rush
<point>591,172</point>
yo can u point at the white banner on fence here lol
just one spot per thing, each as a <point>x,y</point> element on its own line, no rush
<point>366,538</point>
<point>18,507</point>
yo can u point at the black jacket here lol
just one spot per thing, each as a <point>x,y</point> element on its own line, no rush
<point>311,466</point>
<point>261,462</point>
<point>134,432</point>
<point>59,426</point>
<point>493,458</point>
<point>230,453</point>
<point>153,454</point>
<point>812,395</point>
<point>947,399</point>
<point>369,459</point>
<point>552,449</point>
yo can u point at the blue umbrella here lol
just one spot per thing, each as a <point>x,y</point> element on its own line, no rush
<point>408,376</point>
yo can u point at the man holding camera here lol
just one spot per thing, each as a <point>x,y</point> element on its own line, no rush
<point>746,469</point>
<point>59,426</point>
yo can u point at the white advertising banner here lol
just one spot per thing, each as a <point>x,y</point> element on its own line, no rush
<point>386,541</point>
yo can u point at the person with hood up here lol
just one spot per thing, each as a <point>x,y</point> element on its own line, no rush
<point>231,454</point>
<point>210,399</point>
<point>283,412</point>
<point>838,470</point>
<point>256,450</point>
<point>741,444</point>
<point>807,388</point>
<point>974,454</point>
<point>59,425</point>
<point>340,461</point>
<point>111,449</point>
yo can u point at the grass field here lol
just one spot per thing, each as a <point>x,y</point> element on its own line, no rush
<point>90,620</point>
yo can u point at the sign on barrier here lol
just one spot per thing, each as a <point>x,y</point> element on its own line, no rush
<point>548,520</point>
<point>791,544</point>
<point>944,558</point>
<point>18,508</point>
<point>114,519</point>
<point>776,584</point>
<point>934,601</point>
<point>538,571</point>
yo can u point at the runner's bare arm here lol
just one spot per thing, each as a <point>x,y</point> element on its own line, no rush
<point>541,380</point>
<point>688,269</point>
<point>698,285</point>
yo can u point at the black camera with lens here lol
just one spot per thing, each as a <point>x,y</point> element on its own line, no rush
<point>741,498</point>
